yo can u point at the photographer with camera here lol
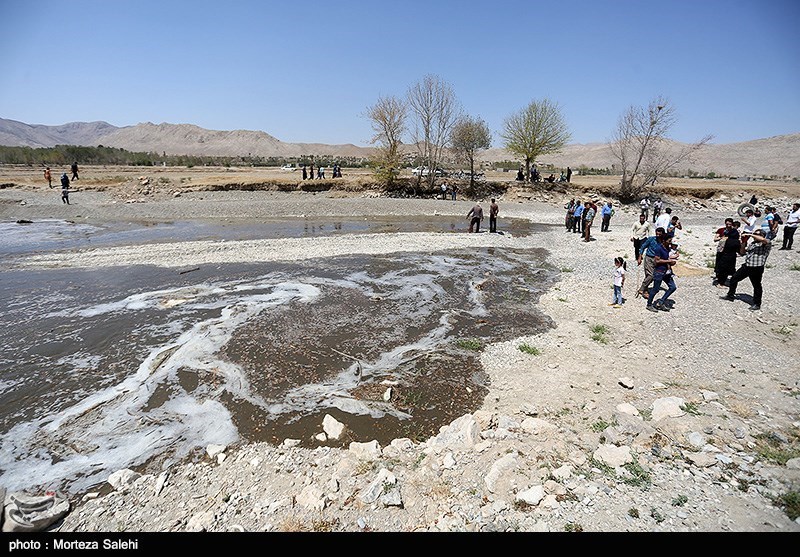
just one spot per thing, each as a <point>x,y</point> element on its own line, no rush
<point>755,258</point>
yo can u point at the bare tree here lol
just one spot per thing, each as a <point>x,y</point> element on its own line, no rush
<point>469,136</point>
<point>641,146</point>
<point>388,118</point>
<point>538,129</point>
<point>435,109</point>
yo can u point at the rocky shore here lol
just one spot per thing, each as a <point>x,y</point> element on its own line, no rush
<point>614,420</point>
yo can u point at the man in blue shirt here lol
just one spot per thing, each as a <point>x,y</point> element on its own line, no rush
<point>576,217</point>
<point>605,212</point>
<point>661,273</point>
<point>647,254</point>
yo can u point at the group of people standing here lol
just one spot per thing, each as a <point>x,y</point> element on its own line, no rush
<point>475,216</point>
<point>65,182</point>
<point>308,173</point>
<point>580,216</point>
<point>644,205</point>
<point>754,243</point>
<point>536,177</point>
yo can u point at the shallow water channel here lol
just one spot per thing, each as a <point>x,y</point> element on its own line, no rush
<point>110,368</point>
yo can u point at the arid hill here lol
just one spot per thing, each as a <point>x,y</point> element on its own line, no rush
<point>774,156</point>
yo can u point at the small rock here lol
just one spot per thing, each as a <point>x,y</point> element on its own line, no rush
<point>387,395</point>
<point>793,463</point>
<point>289,443</point>
<point>612,455</point>
<point>221,458</point>
<point>123,479</point>
<point>529,409</point>
<point>321,437</point>
<point>626,382</point>
<point>669,407</point>
<point>448,461</point>
<point>213,450</point>
<point>332,427</point>
<point>531,496</point>
<point>703,460</point>
<point>709,395</point>
<point>697,440</point>
<point>366,451</point>
<point>626,408</point>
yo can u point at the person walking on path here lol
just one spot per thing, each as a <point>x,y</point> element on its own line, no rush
<point>755,259</point>
<point>619,281</point>
<point>589,213</point>
<point>49,177</point>
<point>644,205</point>
<point>663,219</point>
<point>476,216</point>
<point>662,266</point>
<point>790,227</point>
<point>74,169</point>
<point>657,204</point>
<point>647,255</point>
<point>606,212</point>
<point>577,217</point>
<point>639,233</point>
<point>65,188</point>
<point>454,191</point>
<point>569,174</point>
<point>494,209</point>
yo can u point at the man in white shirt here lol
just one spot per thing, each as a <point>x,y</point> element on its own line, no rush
<point>749,221</point>
<point>644,205</point>
<point>664,219</point>
<point>790,227</point>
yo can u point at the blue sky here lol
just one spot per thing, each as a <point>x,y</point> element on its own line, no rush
<point>306,71</point>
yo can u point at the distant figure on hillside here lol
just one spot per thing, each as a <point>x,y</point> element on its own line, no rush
<point>305,173</point>
<point>48,177</point>
<point>74,169</point>
<point>311,169</point>
<point>569,174</point>
<point>476,216</point>
<point>65,188</point>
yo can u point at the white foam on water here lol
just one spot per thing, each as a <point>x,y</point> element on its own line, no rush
<point>121,442</point>
<point>122,430</point>
<point>335,392</point>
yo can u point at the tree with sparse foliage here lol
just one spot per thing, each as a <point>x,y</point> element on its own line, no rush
<point>469,136</point>
<point>536,130</point>
<point>641,146</point>
<point>388,118</point>
<point>435,110</point>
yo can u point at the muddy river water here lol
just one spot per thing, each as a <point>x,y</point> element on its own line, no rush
<point>103,369</point>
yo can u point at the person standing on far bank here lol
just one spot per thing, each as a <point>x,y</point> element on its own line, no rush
<point>494,209</point>
<point>65,188</point>
<point>74,169</point>
<point>476,216</point>
<point>49,177</point>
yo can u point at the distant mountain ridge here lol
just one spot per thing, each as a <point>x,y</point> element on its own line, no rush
<point>779,155</point>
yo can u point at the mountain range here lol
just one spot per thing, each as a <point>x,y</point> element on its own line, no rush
<point>774,156</point>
